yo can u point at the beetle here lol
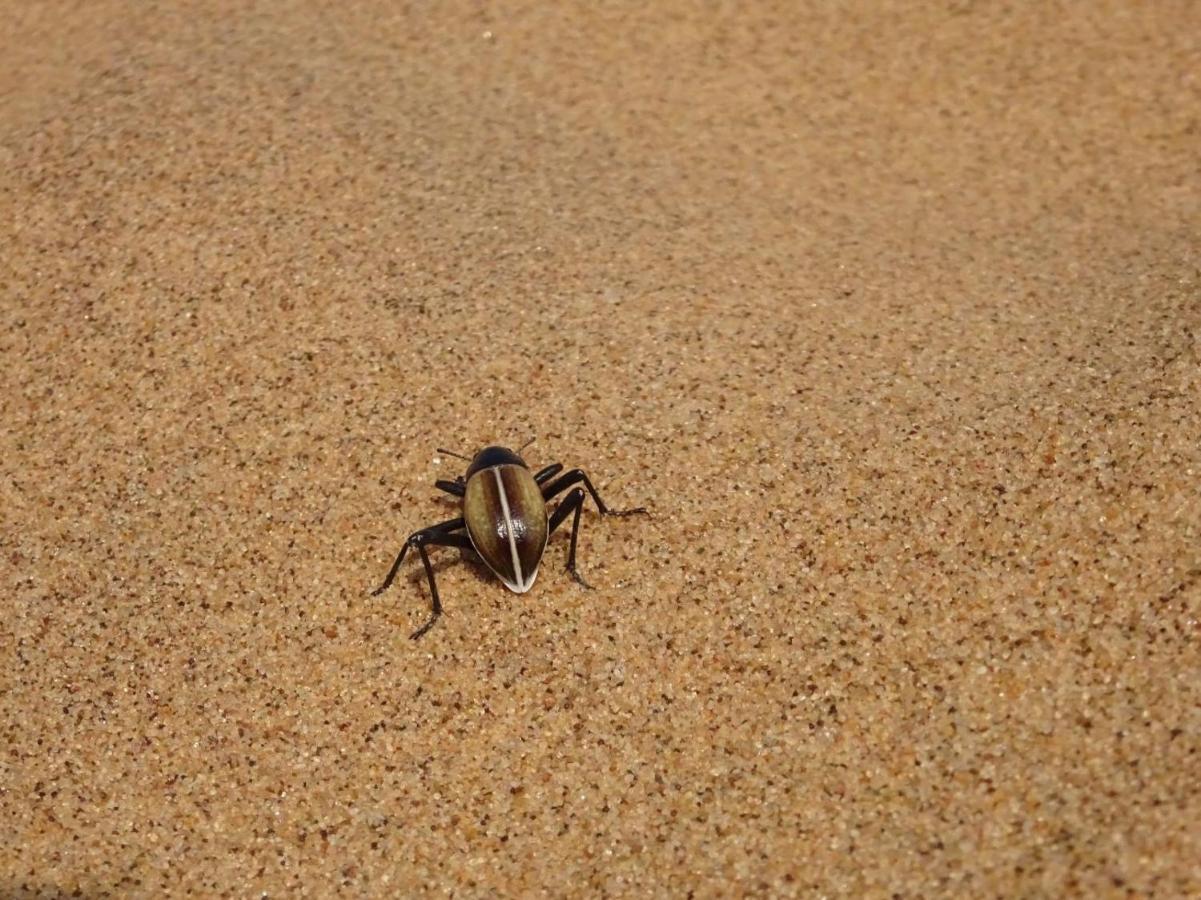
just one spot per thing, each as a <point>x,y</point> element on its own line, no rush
<point>504,520</point>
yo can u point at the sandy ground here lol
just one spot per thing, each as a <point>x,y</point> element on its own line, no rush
<point>892,315</point>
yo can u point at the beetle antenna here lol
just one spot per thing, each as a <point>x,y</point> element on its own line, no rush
<point>452,453</point>
<point>526,444</point>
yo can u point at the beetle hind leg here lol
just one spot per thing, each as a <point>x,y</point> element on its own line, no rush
<point>572,503</point>
<point>575,476</point>
<point>441,535</point>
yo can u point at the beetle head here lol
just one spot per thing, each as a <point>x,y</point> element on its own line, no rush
<point>494,456</point>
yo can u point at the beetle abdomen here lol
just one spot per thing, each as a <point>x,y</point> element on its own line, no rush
<point>506,520</point>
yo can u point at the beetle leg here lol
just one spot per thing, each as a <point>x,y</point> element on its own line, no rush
<point>549,472</point>
<point>573,502</point>
<point>451,487</point>
<point>576,475</point>
<point>437,540</point>
<point>440,535</point>
<point>413,539</point>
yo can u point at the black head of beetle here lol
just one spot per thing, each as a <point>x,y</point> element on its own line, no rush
<point>494,456</point>
<point>505,520</point>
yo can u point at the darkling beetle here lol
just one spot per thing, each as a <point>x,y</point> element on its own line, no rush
<point>505,519</point>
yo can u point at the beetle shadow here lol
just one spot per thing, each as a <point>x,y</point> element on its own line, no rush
<point>416,575</point>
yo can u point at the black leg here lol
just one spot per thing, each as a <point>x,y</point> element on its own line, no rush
<point>451,487</point>
<point>417,536</point>
<point>573,502</point>
<point>440,535</point>
<point>437,540</point>
<point>576,475</point>
<point>549,472</point>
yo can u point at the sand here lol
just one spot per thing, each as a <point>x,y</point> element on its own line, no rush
<point>891,315</point>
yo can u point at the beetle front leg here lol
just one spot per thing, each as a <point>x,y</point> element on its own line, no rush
<point>543,475</point>
<point>457,487</point>
<point>576,475</point>
<point>573,502</point>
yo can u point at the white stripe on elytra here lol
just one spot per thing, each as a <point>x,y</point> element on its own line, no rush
<point>504,505</point>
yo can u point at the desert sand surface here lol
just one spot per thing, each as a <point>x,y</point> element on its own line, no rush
<point>890,313</point>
